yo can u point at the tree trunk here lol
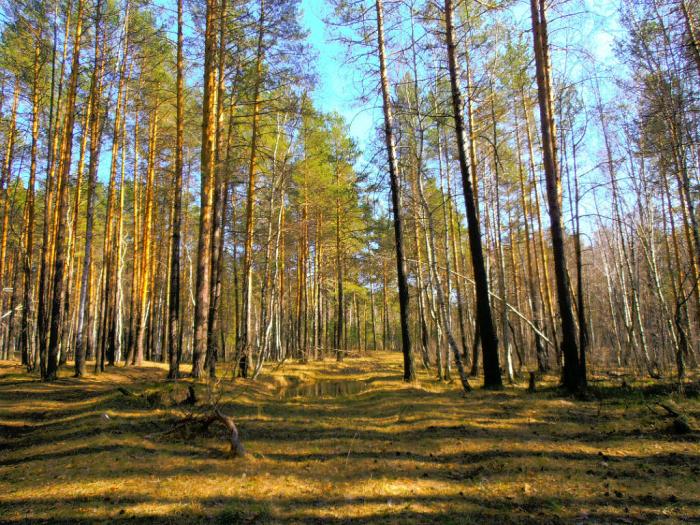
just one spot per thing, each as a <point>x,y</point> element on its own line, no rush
<point>206,214</point>
<point>534,296</point>
<point>95,143</point>
<point>571,377</point>
<point>487,332</point>
<point>53,347</point>
<point>174,346</point>
<point>25,337</point>
<point>245,329</point>
<point>409,373</point>
<point>147,307</point>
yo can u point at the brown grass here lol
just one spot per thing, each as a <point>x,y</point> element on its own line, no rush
<point>80,451</point>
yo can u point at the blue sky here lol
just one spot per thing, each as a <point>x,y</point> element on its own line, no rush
<point>593,28</point>
<point>336,90</point>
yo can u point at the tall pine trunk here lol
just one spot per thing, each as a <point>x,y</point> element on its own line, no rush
<point>174,346</point>
<point>571,376</point>
<point>409,373</point>
<point>487,332</point>
<point>245,329</point>
<point>25,338</point>
<point>53,346</point>
<point>206,216</point>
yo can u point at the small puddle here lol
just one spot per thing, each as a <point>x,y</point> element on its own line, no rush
<point>327,388</point>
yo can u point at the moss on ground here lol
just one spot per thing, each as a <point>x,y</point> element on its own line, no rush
<point>83,451</point>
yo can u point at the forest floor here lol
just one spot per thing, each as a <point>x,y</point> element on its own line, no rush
<point>82,451</point>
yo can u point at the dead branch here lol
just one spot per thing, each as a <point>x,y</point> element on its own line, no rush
<point>672,408</point>
<point>237,449</point>
<point>125,391</point>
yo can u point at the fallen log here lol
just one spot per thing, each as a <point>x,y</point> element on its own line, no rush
<point>206,421</point>
<point>237,449</point>
<point>212,414</point>
<point>672,408</point>
<point>681,422</point>
<point>126,392</point>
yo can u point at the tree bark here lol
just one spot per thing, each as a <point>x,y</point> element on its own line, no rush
<point>174,346</point>
<point>487,332</point>
<point>245,329</point>
<point>62,205</point>
<point>571,376</point>
<point>81,336</point>
<point>206,215</point>
<point>409,373</point>
<point>25,337</point>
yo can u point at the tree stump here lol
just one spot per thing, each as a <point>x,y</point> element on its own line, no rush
<point>532,387</point>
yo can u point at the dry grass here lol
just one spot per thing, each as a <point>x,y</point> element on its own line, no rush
<point>80,451</point>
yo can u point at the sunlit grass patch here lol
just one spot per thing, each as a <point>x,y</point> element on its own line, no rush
<point>393,453</point>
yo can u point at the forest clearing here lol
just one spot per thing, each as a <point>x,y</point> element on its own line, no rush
<point>81,451</point>
<point>350,261</point>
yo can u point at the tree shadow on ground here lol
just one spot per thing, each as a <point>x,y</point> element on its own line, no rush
<point>395,454</point>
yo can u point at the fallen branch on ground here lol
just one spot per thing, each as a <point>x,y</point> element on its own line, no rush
<point>206,420</point>
<point>215,416</point>
<point>125,391</point>
<point>671,407</point>
<point>681,422</point>
<point>206,416</point>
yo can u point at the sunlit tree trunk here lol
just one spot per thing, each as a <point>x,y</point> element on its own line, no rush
<point>456,263</point>
<point>174,346</point>
<point>409,373</point>
<point>5,184</point>
<point>534,295</point>
<point>245,329</point>
<point>136,255</point>
<point>340,299</point>
<point>420,283</point>
<point>583,337</point>
<point>95,148</point>
<point>28,220</point>
<point>118,343</point>
<point>487,332</point>
<point>147,306</point>
<point>208,182</point>
<point>62,206</point>
<point>505,331</point>
<point>220,202</point>
<point>55,135</point>
<point>318,278</point>
<point>571,377</point>
<point>436,282</point>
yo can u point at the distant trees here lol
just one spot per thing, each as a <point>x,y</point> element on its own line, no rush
<point>145,215</point>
